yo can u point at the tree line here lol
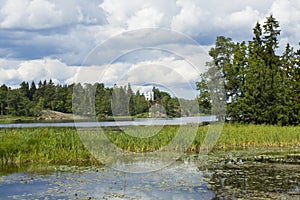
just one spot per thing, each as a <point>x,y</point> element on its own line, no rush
<point>88,99</point>
<point>31,99</point>
<point>260,86</point>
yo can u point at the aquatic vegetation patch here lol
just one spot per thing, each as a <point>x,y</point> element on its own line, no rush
<point>42,145</point>
<point>56,145</point>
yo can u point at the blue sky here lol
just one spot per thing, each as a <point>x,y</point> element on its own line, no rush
<point>42,39</point>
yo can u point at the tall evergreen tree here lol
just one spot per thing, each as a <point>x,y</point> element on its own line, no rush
<point>32,90</point>
<point>254,87</point>
<point>296,86</point>
<point>236,81</point>
<point>3,99</point>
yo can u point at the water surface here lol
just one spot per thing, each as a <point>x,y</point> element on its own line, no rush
<point>134,122</point>
<point>223,176</point>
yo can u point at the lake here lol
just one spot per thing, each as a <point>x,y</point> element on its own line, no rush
<point>217,176</point>
<point>137,121</point>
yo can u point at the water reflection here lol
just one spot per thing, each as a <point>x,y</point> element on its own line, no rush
<point>189,178</point>
<point>181,181</point>
<point>132,122</point>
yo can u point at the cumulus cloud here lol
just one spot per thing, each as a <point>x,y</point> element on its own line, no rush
<point>43,14</point>
<point>33,29</point>
<point>35,70</point>
<point>288,14</point>
<point>171,73</point>
<point>147,17</point>
<point>134,14</point>
<point>32,14</point>
<point>240,19</point>
<point>41,39</point>
<point>191,19</point>
<point>238,24</point>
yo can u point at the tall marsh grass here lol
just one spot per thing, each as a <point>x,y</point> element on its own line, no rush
<point>42,145</point>
<point>242,136</point>
<point>63,145</point>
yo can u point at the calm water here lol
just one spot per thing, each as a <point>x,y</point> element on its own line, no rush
<point>189,178</point>
<point>138,121</point>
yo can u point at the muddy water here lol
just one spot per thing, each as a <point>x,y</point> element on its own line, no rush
<point>224,176</point>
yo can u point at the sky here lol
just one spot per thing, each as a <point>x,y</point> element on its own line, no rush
<point>163,43</point>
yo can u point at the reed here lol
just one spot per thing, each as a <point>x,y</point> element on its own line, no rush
<point>243,136</point>
<point>42,145</point>
<point>55,145</point>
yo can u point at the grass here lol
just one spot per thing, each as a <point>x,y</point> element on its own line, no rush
<point>63,145</point>
<point>12,119</point>
<point>42,145</point>
<point>243,136</point>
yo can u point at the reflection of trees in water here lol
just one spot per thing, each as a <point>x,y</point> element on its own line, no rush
<point>255,181</point>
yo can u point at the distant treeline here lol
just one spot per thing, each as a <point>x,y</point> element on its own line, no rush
<point>261,86</point>
<point>31,99</point>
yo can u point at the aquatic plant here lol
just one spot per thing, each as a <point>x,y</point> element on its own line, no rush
<point>56,145</point>
<point>42,145</point>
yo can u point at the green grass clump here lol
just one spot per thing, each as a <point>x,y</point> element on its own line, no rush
<point>243,136</point>
<point>42,145</point>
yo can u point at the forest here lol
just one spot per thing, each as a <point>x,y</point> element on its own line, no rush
<point>31,100</point>
<point>261,85</point>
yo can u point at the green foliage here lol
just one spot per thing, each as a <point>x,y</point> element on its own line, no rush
<point>164,104</point>
<point>85,100</point>
<point>3,99</point>
<point>261,87</point>
<point>204,97</point>
<point>137,104</point>
<point>120,101</point>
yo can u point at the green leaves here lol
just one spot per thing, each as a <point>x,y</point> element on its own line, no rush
<point>261,86</point>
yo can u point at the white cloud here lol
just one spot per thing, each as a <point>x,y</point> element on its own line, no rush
<point>33,31</point>
<point>287,12</point>
<point>134,14</point>
<point>32,14</point>
<point>41,69</point>
<point>175,75</point>
<point>245,18</point>
<point>118,12</point>
<point>191,18</point>
<point>167,71</point>
<point>42,14</point>
<point>239,24</point>
<point>145,18</point>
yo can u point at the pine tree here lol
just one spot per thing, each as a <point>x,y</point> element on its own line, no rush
<point>296,86</point>
<point>203,98</point>
<point>32,90</point>
<point>288,65</point>
<point>252,103</point>
<point>3,99</point>
<point>236,81</point>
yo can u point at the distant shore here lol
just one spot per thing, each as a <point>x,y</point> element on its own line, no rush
<point>54,116</point>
